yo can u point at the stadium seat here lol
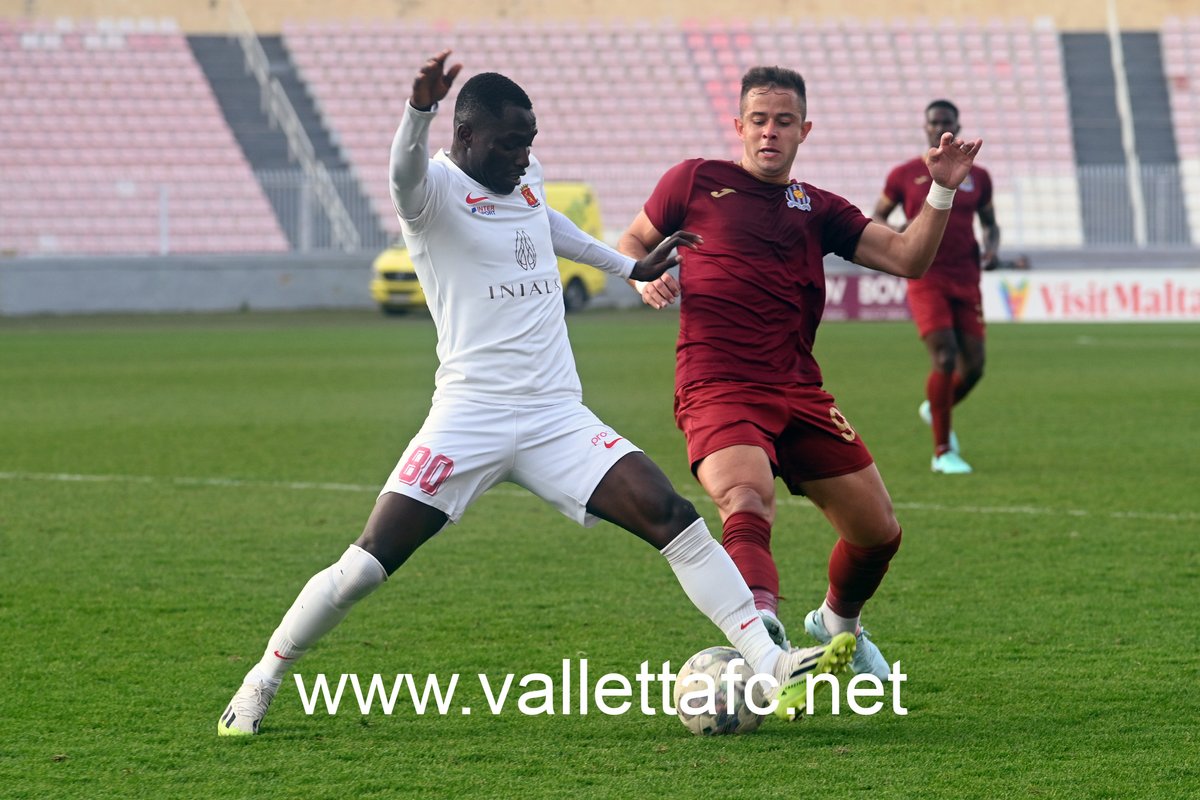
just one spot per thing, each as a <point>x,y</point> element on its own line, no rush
<point>1014,68</point>
<point>153,128</point>
<point>1181,63</point>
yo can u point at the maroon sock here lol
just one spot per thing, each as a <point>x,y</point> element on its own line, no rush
<point>747,539</point>
<point>855,573</point>
<point>939,389</point>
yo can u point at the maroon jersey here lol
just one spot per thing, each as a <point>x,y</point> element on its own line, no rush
<point>957,259</point>
<point>754,292</point>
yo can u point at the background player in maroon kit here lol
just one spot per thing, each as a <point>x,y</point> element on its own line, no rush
<point>946,303</point>
<point>748,390</point>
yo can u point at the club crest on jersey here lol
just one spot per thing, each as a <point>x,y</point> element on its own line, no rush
<point>968,184</point>
<point>529,196</point>
<point>797,198</point>
<point>524,251</point>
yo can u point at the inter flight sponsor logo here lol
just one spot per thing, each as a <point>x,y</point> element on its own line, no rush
<point>479,207</point>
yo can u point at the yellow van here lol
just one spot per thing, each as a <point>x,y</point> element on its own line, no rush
<point>394,283</point>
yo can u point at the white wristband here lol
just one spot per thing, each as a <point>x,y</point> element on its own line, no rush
<point>940,197</point>
<point>640,286</point>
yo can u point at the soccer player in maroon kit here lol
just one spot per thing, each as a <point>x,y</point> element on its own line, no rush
<point>946,303</point>
<point>748,394</point>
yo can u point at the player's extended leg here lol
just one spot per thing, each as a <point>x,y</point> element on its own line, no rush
<point>739,479</point>
<point>942,345</point>
<point>860,510</point>
<point>971,357</point>
<point>636,495</point>
<point>398,525</point>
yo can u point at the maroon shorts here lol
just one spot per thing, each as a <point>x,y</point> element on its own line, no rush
<point>946,306</point>
<point>798,426</point>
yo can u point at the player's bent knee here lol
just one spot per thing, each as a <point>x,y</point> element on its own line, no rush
<point>746,499</point>
<point>668,512</point>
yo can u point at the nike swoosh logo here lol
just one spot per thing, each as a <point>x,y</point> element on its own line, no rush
<point>284,658</point>
<point>723,192</point>
<point>749,622</point>
<point>473,200</point>
<point>608,445</point>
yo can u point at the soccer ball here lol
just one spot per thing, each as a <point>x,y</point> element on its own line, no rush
<point>726,710</point>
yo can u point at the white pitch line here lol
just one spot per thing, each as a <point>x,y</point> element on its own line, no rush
<point>305,486</point>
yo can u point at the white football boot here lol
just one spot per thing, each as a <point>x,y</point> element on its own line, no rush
<point>247,708</point>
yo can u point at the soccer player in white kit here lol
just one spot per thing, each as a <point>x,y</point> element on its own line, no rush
<point>507,403</point>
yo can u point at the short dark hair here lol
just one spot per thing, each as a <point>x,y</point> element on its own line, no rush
<point>490,93</point>
<point>946,104</point>
<point>770,77</point>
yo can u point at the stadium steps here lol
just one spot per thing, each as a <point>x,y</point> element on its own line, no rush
<point>370,231</point>
<point>238,96</point>
<point>265,147</point>
<point>1155,135</point>
<point>1096,128</point>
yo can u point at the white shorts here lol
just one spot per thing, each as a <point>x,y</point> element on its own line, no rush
<point>559,452</point>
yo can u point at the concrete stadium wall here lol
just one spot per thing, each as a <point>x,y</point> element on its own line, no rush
<point>211,16</point>
<point>180,283</point>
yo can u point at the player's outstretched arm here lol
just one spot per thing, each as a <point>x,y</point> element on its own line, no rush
<point>884,207</point>
<point>410,147</point>
<point>664,256</point>
<point>433,81</point>
<point>991,237</point>
<point>910,253</point>
<point>639,239</point>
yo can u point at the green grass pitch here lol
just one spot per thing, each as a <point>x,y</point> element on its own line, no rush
<point>168,484</point>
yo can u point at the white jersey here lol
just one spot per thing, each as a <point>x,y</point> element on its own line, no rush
<point>488,267</point>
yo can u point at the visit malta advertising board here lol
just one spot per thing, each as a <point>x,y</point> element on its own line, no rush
<point>1092,296</point>
<point>1035,296</point>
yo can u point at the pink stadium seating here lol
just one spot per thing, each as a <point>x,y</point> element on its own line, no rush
<point>1181,63</point>
<point>618,104</point>
<point>108,125</point>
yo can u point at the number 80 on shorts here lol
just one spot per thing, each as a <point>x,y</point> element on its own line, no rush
<point>426,470</point>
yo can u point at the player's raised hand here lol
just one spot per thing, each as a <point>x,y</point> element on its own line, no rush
<point>950,162</point>
<point>433,81</point>
<point>665,256</point>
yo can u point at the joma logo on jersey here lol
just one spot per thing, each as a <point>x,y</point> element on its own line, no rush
<point>501,291</point>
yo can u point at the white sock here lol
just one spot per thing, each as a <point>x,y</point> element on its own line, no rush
<point>713,583</point>
<point>321,605</point>
<point>835,624</point>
